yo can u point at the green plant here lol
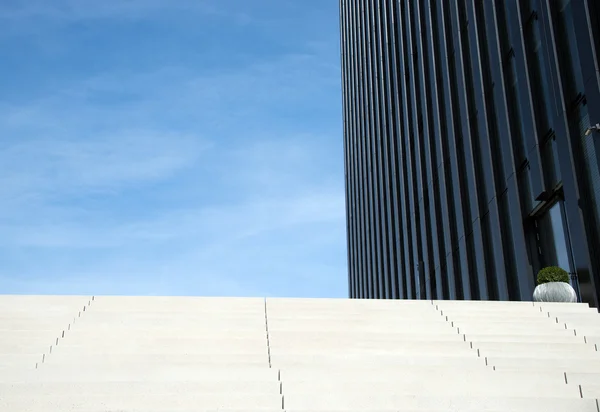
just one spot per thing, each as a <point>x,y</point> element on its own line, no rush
<point>552,274</point>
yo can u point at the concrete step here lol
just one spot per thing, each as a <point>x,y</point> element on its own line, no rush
<point>590,391</point>
<point>39,325</point>
<point>537,349</point>
<point>591,339</point>
<point>509,328</point>
<point>583,378</point>
<point>424,329</point>
<point>436,375</point>
<point>362,316</point>
<point>582,364</point>
<point>124,377</point>
<point>589,321</point>
<point>582,330</point>
<point>359,360</point>
<point>185,345</point>
<point>484,303</point>
<point>174,314</point>
<point>457,404</point>
<point>108,360</point>
<point>399,347</point>
<point>430,400</point>
<point>377,371</point>
<point>537,322</point>
<point>173,322</point>
<point>500,385</point>
<point>590,314</point>
<point>563,307</point>
<point>125,399</point>
<point>291,334</point>
<point>319,323</point>
<point>156,303</point>
<point>566,337</point>
<point>173,329</point>
<point>315,304</point>
<point>242,354</point>
<point>491,329</point>
<point>108,388</point>
<point>145,372</point>
<point>12,360</point>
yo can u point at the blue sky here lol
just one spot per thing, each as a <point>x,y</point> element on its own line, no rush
<point>180,147</point>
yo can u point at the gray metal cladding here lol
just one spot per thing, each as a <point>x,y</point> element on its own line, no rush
<point>467,164</point>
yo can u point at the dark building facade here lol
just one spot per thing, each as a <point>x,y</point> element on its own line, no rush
<point>470,158</point>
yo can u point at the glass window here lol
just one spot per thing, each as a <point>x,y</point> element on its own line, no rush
<point>560,241</point>
<point>568,50</point>
<point>553,238</point>
<point>539,79</point>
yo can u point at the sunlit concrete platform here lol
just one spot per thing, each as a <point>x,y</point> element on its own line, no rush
<point>134,354</point>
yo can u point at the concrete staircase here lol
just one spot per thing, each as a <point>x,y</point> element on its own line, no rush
<point>142,354</point>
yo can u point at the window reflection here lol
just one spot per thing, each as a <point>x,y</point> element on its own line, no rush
<point>553,239</point>
<point>560,241</point>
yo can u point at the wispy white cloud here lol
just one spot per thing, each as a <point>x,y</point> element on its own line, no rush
<point>57,167</point>
<point>90,9</point>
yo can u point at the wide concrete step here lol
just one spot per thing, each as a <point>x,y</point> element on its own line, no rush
<point>563,307</point>
<point>166,336</point>
<point>28,335</point>
<point>31,346</point>
<point>491,330</point>
<point>173,330</point>
<point>200,324</point>
<point>591,339</point>
<point>590,314</point>
<point>490,386</point>
<point>377,336</point>
<point>424,330</point>
<point>536,349</point>
<point>590,390</point>
<point>170,345</point>
<point>360,360</point>
<point>243,354</point>
<point>328,316</point>
<point>108,388</point>
<point>571,364</point>
<point>39,325</point>
<point>318,323</point>
<point>163,357</point>
<point>567,337</point>
<point>583,378</point>
<point>483,303</point>
<point>508,328</point>
<point>125,399</point>
<point>433,375</point>
<point>537,322</point>
<point>425,346</point>
<point>177,310</point>
<point>18,360</point>
<point>432,401</point>
<point>303,304</point>
<point>145,372</point>
<point>90,314</point>
<point>150,303</point>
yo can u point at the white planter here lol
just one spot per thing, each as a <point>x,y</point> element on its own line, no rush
<point>555,292</point>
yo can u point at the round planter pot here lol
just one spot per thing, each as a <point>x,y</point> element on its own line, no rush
<point>555,292</point>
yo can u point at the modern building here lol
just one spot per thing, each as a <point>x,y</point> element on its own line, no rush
<point>191,354</point>
<point>471,156</point>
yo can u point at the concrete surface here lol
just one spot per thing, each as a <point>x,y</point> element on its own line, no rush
<point>133,354</point>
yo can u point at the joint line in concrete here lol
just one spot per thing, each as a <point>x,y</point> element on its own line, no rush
<point>267,330</point>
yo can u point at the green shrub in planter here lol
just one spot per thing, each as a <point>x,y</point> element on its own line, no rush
<point>552,274</point>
